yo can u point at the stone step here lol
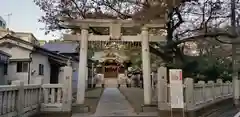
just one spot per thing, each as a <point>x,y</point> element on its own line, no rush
<point>80,108</point>
<point>149,108</point>
<point>111,82</point>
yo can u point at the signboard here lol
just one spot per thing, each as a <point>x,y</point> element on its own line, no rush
<point>176,88</point>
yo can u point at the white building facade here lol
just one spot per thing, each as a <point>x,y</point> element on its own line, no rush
<point>31,63</point>
<point>3,23</point>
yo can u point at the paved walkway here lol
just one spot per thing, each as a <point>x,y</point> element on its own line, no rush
<point>113,103</point>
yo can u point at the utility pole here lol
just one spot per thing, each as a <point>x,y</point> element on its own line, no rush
<point>234,55</point>
<point>8,19</point>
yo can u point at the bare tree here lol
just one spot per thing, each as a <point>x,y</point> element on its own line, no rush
<point>190,20</point>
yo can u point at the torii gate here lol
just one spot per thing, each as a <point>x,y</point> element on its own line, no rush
<point>115,34</point>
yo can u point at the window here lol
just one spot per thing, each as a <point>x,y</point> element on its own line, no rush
<point>22,66</point>
<point>41,69</point>
<point>4,25</point>
<point>5,69</point>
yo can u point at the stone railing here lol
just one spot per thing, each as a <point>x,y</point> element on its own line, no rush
<point>52,97</point>
<point>196,95</point>
<point>19,100</point>
<point>31,99</point>
<point>8,107</point>
<point>202,94</point>
<point>199,98</point>
<point>27,100</point>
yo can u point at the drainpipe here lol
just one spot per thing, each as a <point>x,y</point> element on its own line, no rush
<point>29,68</point>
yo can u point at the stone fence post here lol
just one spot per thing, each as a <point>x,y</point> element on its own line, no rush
<point>219,83</point>
<point>40,81</point>
<point>67,89</point>
<point>162,88</point>
<point>189,88</point>
<point>213,89</point>
<point>20,97</point>
<point>203,85</point>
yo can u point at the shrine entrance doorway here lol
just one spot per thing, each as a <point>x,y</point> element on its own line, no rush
<point>111,63</point>
<point>112,68</point>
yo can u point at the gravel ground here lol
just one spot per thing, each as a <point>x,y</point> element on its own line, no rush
<point>92,97</point>
<point>134,96</point>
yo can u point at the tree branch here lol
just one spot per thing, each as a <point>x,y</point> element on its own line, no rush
<point>179,18</point>
<point>125,16</point>
<point>200,36</point>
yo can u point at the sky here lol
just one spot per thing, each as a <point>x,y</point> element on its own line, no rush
<point>24,18</point>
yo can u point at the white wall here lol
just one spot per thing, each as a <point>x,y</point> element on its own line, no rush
<point>14,75</point>
<point>37,59</point>
<point>27,37</point>
<point>16,52</point>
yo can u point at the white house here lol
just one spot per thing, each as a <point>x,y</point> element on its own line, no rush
<point>3,23</point>
<point>71,49</point>
<point>30,62</point>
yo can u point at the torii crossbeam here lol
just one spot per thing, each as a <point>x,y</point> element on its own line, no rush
<point>115,34</point>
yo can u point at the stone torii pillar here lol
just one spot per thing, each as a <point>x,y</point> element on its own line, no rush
<point>115,35</point>
<point>146,67</point>
<point>82,71</point>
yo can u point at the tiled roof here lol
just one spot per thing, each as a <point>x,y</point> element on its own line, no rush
<point>4,53</point>
<point>61,47</point>
<point>35,46</point>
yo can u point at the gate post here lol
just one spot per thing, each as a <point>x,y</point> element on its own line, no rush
<point>82,71</point>
<point>20,97</point>
<point>189,96</point>
<point>146,67</point>
<point>67,88</point>
<point>162,88</point>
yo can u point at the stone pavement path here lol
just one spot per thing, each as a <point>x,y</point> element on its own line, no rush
<point>113,103</point>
